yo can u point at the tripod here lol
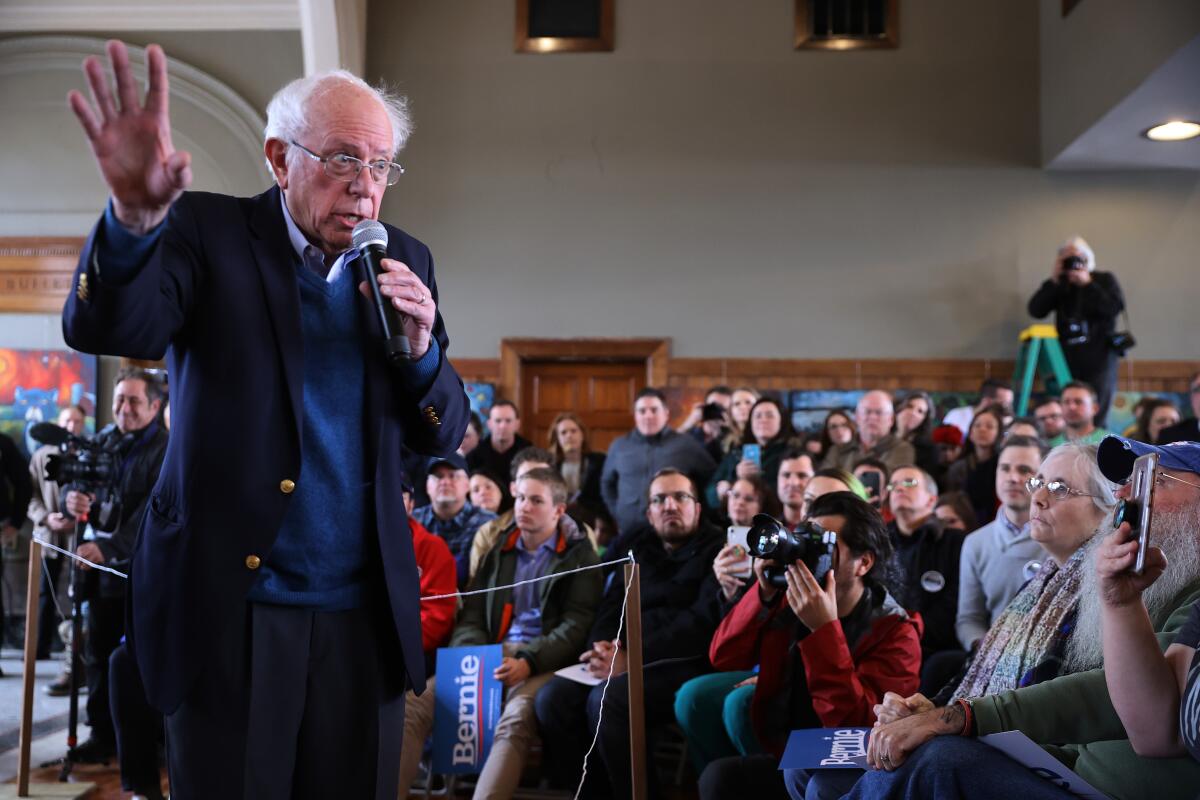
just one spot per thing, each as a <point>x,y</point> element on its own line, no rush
<point>75,591</point>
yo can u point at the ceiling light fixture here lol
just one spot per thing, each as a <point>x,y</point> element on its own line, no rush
<point>1174,131</point>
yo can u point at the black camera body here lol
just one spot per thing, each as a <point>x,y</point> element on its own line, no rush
<point>771,540</point>
<point>1074,263</point>
<point>94,465</point>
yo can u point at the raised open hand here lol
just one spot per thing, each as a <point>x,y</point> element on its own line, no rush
<point>132,141</point>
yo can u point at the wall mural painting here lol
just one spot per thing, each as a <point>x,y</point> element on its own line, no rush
<point>36,384</point>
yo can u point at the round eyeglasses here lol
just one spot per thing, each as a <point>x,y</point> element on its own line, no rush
<point>343,167</point>
<point>1058,489</point>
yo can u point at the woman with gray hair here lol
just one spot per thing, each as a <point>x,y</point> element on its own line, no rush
<point>1085,303</point>
<point>1031,641</point>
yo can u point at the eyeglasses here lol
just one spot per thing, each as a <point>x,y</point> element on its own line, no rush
<point>680,498</point>
<point>1158,476</point>
<point>342,167</point>
<point>1058,489</point>
<point>907,483</point>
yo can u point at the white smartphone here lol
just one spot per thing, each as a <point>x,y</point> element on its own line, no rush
<point>737,536</point>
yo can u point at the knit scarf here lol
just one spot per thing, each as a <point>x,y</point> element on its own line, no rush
<point>1028,632</point>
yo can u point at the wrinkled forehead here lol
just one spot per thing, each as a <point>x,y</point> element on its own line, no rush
<point>349,119</point>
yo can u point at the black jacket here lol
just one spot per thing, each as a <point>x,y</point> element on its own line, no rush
<point>1095,305</point>
<point>928,585</point>
<point>499,464</point>
<point>15,486</point>
<point>680,607</point>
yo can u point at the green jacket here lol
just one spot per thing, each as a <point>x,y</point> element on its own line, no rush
<point>568,601</point>
<point>1073,718</point>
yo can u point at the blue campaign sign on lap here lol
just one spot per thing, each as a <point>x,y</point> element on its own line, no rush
<point>467,703</point>
<point>826,748</point>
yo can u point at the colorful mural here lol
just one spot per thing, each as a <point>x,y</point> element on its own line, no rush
<point>36,384</point>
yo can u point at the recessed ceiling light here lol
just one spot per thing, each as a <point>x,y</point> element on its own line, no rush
<point>1175,131</point>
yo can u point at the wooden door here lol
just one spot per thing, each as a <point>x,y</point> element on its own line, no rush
<point>601,393</point>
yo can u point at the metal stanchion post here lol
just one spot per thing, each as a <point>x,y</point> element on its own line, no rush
<point>637,709</point>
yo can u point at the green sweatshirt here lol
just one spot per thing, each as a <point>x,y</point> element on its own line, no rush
<point>1073,718</point>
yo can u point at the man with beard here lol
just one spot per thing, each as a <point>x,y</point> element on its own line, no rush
<point>1075,709</point>
<point>679,615</point>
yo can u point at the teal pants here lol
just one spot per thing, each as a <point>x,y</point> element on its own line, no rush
<point>715,717</point>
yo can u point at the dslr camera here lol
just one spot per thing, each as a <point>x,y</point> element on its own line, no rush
<point>1074,263</point>
<point>92,465</point>
<point>771,540</point>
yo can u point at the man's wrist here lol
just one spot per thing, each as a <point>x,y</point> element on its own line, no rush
<point>137,221</point>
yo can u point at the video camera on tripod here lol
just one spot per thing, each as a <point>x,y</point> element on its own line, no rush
<point>93,464</point>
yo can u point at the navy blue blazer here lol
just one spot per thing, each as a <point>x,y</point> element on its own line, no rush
<point>219,297</point>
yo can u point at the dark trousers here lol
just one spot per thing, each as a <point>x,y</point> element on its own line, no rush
<point>568,712</point>
<point>294,703</point>
<point>48,618</point>
<point>138,726</point>
<point>105,627</point>
<point>743,776</point>
<point>1103,378</point>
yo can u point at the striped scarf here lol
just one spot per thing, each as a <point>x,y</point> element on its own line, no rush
<point>1026,642</point>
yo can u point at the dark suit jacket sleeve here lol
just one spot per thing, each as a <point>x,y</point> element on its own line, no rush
<point>16,471</point>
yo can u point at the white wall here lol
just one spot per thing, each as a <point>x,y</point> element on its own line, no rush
<point>709,183</point>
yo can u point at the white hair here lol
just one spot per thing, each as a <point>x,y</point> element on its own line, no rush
<point>289,110</point>
<point>1080,244</point>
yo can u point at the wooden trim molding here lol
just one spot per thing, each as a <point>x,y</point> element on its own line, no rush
<point>35,272</point>
<point>35,16</point>
<point>655,352</point>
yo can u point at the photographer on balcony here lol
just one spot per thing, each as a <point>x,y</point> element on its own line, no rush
<point>114,512</point>
<point>1085,305</point>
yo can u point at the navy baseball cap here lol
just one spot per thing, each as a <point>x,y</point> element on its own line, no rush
<point>454,460</point>
<point>1117,454</point>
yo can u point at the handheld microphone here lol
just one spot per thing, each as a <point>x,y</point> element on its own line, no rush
<point>370,239</point>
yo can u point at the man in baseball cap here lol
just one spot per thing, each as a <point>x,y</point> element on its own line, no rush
<point>449,514</point>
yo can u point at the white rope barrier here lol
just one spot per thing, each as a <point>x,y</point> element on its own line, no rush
<point>79,558</point>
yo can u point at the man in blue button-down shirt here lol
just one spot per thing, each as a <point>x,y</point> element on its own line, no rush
<point>448,514</point>
<point>273,606</point>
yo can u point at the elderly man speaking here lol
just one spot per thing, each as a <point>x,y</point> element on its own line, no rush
<point>273,603</point>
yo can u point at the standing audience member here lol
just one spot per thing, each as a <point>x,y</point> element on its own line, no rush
<point>720,396</point>
<point>487,491</point>
<point>828,650</point>
<point>49,523</point>
<point>1079,411</point>
<point>874,416</point>
<point>1048,412</point>
<point>679,614</point>
<point>439,576</point>
<point>495,453</point>
<point>1001,556</point>
<point>636,457</point>
<point>472,436</point>
<point>1189,429</point>
<point>992,392</point>
<point>1155,415</point>
<point>975,472</point>
<point>914,424</point>
<point>449,514</point>
<point>1072,715</point>
<point>1085,304</point>
<point>838,433</point>
<point>741,401</point>
<point>954,511</point>
<point>929,557</point>
<point>15,491</point>
<point>769,431</point>
<point>581,468</point>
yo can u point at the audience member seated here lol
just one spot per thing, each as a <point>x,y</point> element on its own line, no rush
<point>743,399</point>
<point>449,514</point>
<point>954,511</point>
<point>1048,412</point>
<point>637,456</point>
<point>438,576</point>
<point>837,431</point>
<point>530,458</point>
<point>992,392</point>
<point>928,555</point>
<point>1079,412</point>
<point>504,440</point>
<point>948,443</point>
<point>914,424</point>
<point>472,435</point>
<point>1001,556</point>
<point>770,432</point>
<point>828,651</point>
<point>874,474</point>
<point>975,472</point>
<point>747,497</point>
<point>1072,716</point>
<point>679,614</point>
<point>1189,429</point>
<point>579,466</point>
<point>487,491</point>
<point>874,417</point>
<point>1022,426</point>
<point>542,626</point>
<point>795,471</point>
<point>1155,415</point>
